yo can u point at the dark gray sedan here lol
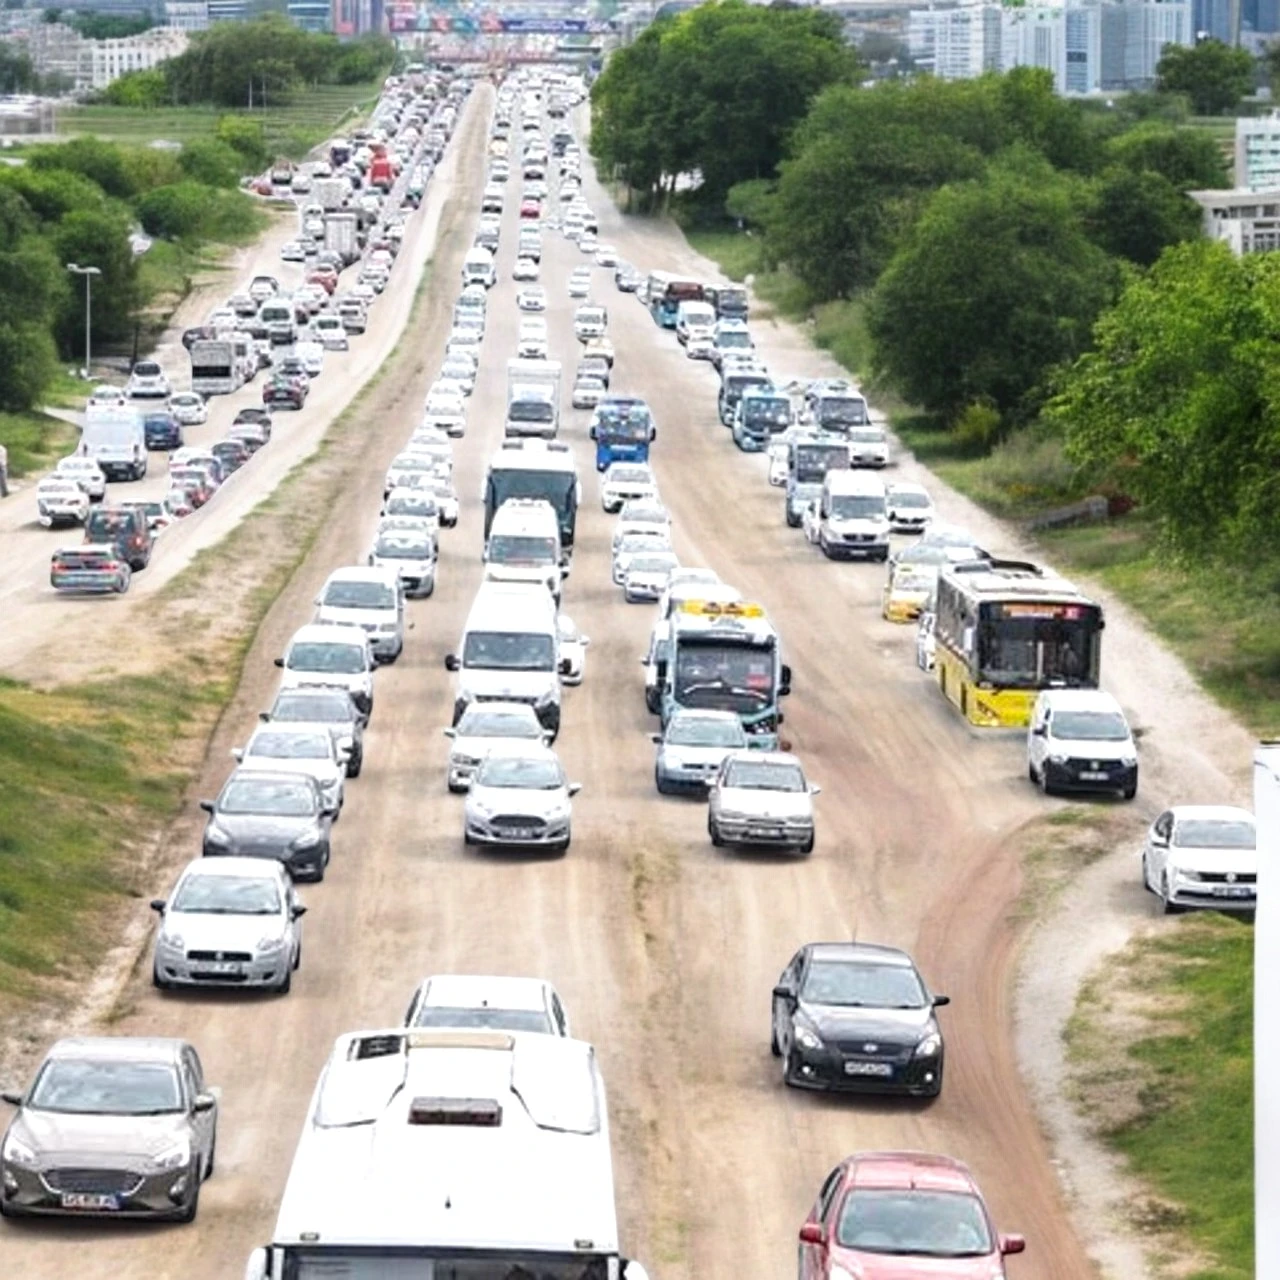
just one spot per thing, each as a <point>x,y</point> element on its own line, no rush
<point>333,707</point>
<point>270,815</point>
<point>112,1126</point>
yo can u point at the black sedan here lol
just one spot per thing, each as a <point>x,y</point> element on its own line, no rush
<point>270,815</point>
<point>857,1017</point>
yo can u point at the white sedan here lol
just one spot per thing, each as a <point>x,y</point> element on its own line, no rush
<point>1202,855</point>
<point>573,649</point>
<point>579,284</point>
<point>532,299</point>
<point>519,797</point>
<point>525,271</point>
<point>86,473</point>
<point>762,799</point>
<point>60,500</point>
<point>189,409</point>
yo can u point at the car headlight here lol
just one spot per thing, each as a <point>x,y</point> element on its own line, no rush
<point>1128,762</point>
<point>545,698</point>
<point>173,1157</point>
<point>1057,757</point>
<point>271,943</point>
<point>18,1152</point>
<point>309,841</point>
<point>808,1038</point>
<point>482,811</point>
<point>173,941</point>
<point>929,1047</point>
<point>216,836</point>
<point>1185,873</point>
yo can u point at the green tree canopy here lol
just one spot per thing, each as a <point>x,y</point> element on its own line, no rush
<point>996,283</point>
<point>1179,404</point>
<point>101,162</point>
<point>100,238</point>
<point>32,289</point>
<point>1212,75</point>
<point>1137,213</point>
<point>212,162</point>
<point>1188,158</point>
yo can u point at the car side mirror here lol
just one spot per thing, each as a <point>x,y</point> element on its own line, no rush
<point>814,789</point>
<point>566,667</point>
<point>656,739</point>
<point>574,788</point>
<point>207,805</point>
<point>264,716</point>
<point>1040,731</point>
<point>784,684</point>
<point>592,433</point>
<point>584,641</point>
<point>237,753</point>
<point>297,911</point>
<point>204,1102</point>
<point>279,662</point>
<point>653,433</point>
<point>634,1271</point>
<point>256,1267</point>
<point>451,662</point>
<point>450,733</point>
<point>11,1096</point>
<point>1158,841</point>
<point>813,1233</point>
<point>644,659</point>
<point>939,1001</point>
<point>1012,1244</point>
<point>783,992</point>
<point>158,904</point>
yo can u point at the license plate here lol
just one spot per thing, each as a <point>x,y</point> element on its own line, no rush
<point>219,969</point>
<point>766,832</point>
<point>1234,891</point>
<point>521,833</point>
<point>78,1200</point>
<point>868,1069</point>
<point>1092,775</point>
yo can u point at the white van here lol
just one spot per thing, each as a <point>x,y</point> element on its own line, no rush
<point>1079,740</point>
<point>113,436</point>
<point>851,518</point>
<point>478,268</point>
<point>524,544</point>
<point>510,651</point>
<point>331,654</point>
<point>695,320</point>
<point>367,597</point>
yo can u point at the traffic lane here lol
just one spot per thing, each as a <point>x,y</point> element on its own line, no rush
<point>918,810</point>
<point>25,595</point>
<point>265,1053</point>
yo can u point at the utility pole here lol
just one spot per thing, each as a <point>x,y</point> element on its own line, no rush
<point>1266,1012</point>
<point>88,273</point>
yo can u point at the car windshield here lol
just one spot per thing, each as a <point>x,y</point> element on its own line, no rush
<point>529,773</point>
<point>911,1223</point>
<point>762,775</point>
<point>855,984</point>
<point>701,731</point>
<point>909,499</point>
<point>629,475</point>
<point>315,708</point>
<point>329,657</point>
<point>404,546</point>
<point>104,525</point>
<point>1215,833</point>
<point>631,543</point>
<point>414,503</point>
<point>291,746</point>
<point>478,723</point>
<point>509,650</point>
<point>360,595</point>
<point>278,798</point>
<point>651,564</point>
<point>845,410</point>
<point>856,506</point>
<point>227,896</point>
<point>724,677</point>
<point>487,1018</point>
<point>516,549</point>
<point>1090,726</point>
<point>868,435</point>
<point>75,1086</point>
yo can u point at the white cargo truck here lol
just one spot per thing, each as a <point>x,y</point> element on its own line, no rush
<point>331,193</point>
<point>113,437</point>
<point>342,235</point>
<point>533,398</point>
<point>435,1154</point>
<point>217,366</point>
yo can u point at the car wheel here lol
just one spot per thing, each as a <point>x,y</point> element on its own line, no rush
<point>355,764</point>
<point>282,987</point>
<point>713,830</point>
<point>466,837</point>
<point>1031,774</point>
<point>563,847</point>
<point>793,522</point>
<point>807,847</point>
<point>297,957</point>
<point>774,1047</point>
<point>1129,792</point>
<point>1169,907</point>
<point>188,1214</point>
<point>157,981</point>
<point>664,788</point>
<point>786,1068</point>
<point>824,547</point>
<point>1045,786</point>
<point>213,1153</point>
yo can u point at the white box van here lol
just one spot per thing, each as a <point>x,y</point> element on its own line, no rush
<point>524,545</point>
<point>695,320</point>
<point>510,651</point>
<point>370,598</point>
<point>851,518</point>
<point>331,654</point>
<point>113,436</point>
<point>1079,740</point>
<point>478,268</point>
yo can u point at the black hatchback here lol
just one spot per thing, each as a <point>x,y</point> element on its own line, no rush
<point>858,1017</point>
<point>161,430</point>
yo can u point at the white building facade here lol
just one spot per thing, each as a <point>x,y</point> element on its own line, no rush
<point>1258,152</point>
<point>108,60</point>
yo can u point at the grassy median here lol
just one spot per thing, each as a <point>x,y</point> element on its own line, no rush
<point>1161,1048</point>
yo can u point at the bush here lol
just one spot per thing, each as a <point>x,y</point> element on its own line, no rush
<point>247,139</point>
<point>212,162</point>
<point>138,89</point>
<point>191,211</point>
<point>100,162</point>
<point>979,426</point>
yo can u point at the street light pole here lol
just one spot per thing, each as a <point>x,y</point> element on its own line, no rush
<point>88,273</point>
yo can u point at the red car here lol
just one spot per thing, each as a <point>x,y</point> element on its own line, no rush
<point>531,208</point>
<point>902,1215</point>
<point>325,277</point>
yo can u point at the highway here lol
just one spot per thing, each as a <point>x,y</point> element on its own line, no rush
<point>664,948</point>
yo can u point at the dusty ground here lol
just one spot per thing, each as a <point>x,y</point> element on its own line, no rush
<point>664,948</point>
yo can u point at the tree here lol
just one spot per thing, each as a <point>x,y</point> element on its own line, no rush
<point>53,193</point>
<point>1212,75</point>
<point>138,89</point>
<point>100,238</point>
<point>212,162</point>
<point>17,75</point>
<point>1137,214</point>
<point>247,138</point>
<point>1188,158</point>
<point>1179,403</point>
<point>32,287</point>
<point>101,162</point>
<point>995,284</point>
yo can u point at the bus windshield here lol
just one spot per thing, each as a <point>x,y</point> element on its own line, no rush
<point>813,461</point>
<point>1034,652</point>
<point>410,1264</point>
<point>726,677</point>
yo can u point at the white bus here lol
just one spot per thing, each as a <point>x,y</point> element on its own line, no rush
<point>451,1155</point>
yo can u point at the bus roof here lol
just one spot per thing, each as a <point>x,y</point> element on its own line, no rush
<point>413,1136</point>
<point>731,621</point>
<point>533,455</point>
<point>1010,580</point>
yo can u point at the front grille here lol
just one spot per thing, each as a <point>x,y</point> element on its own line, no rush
<point>513,822</point>
<point>879,1053</point>
<point>93,1182</point>
<point>1226,877</point>
<point>239,957</point>
<point>1108,767</point>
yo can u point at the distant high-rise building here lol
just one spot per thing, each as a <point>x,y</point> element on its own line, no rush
<point>310,15</point>
<point>1258,152</point>
<point>228,10</point>
<point>964,42</point>
<point>1133,38</point>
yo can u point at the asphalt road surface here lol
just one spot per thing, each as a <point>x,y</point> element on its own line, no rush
<point>664,949</point>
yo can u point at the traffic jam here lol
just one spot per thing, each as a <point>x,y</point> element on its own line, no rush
<point>471,1142</point>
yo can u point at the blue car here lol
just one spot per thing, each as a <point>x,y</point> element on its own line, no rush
<point>162,431</point>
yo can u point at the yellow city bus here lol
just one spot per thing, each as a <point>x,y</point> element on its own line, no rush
<point>1006,629</point>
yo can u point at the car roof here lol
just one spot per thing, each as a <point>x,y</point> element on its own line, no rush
<point>909,1170</point>
<point>471,991</point>
<point>853,481</point>
<point>751,755</point>
<point>1079,700</point>
<point>130,1048</point>
<point>702,713</point>
<point>1210,813</point>
<point>255,868</point>
<point>873,952</point>
<point>362,573</point>
<point>329,633</point>
<point>502,708</point>
<point>526,747</point>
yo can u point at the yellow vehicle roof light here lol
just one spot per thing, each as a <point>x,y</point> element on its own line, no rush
<point>725,609</point>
